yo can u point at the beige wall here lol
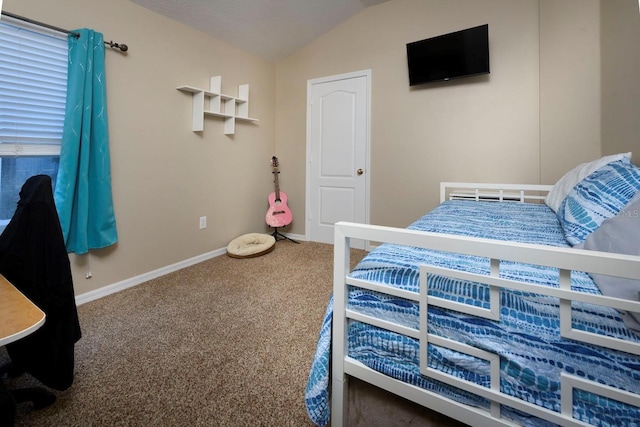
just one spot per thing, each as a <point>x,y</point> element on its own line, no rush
<point>537,114</point>
<point>570,104</point>
<point>164,175</point>
<point>483,128</point>
<point>621,77</point>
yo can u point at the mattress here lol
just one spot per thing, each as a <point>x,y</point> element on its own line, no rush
<point>527,337</point>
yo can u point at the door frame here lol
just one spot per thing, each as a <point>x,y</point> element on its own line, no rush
<point>367,160</point>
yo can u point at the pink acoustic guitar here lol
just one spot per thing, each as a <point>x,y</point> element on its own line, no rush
<point>278,214</point>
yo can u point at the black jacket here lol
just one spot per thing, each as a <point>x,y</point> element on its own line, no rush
<point>33,257</point>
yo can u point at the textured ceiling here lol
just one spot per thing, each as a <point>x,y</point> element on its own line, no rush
<point>271,29</point>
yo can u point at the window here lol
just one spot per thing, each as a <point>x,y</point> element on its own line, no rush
<point>33,87</point>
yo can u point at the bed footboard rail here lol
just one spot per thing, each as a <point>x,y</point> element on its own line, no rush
<point>524,193</point>
<point>565,260</point>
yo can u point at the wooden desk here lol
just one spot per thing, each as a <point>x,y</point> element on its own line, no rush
<point>18,315</point>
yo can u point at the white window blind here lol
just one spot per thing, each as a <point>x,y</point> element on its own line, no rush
<point>33,86</point>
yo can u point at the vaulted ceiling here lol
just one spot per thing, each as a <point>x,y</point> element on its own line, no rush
<point>271,29</point>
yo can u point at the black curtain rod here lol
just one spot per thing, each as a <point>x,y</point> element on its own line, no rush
<point>121,46</point>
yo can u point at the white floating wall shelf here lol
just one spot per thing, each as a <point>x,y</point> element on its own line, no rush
<point>228,107</point>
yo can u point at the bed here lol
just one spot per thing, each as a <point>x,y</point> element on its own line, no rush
<point>505,305</point>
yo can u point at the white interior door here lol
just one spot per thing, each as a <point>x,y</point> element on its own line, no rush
<point>337,153</point>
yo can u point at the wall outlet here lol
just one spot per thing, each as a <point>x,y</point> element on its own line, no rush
<point>203,222</point>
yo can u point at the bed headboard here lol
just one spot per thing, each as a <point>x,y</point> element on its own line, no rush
<point>523,193</point>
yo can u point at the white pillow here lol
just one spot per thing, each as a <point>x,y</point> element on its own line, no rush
<point>574,176</point>
<point>620,234</point>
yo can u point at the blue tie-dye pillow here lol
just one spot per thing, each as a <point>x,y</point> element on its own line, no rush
<point>599,196</point>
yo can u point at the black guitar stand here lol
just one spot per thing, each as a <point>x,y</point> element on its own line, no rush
<point>277,234</point>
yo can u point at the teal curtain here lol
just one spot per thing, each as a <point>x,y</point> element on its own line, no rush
<point>83,186</point>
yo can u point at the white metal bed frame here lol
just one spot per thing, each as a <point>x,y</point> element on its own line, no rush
<point>565,259</point>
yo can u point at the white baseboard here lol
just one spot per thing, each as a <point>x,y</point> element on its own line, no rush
<point>133,281</point>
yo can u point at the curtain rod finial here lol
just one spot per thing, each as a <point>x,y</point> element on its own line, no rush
<point>123,47</point>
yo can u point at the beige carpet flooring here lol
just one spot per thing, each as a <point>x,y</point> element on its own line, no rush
<point>227,342</point>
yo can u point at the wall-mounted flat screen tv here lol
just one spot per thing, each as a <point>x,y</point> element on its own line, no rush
<point>449,56</point>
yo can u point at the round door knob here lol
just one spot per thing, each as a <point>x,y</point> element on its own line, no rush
<point>359,171</point>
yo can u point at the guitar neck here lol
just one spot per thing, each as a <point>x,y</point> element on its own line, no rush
<point>275,180</point>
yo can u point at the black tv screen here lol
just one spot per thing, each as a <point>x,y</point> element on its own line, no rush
<point>449,56</point>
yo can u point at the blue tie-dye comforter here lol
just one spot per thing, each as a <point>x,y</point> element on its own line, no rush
<point>527,337</point>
